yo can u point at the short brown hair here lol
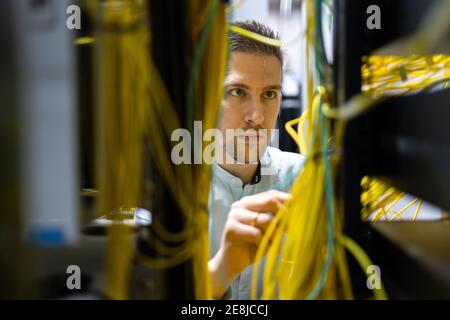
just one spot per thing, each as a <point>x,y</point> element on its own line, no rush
<point>240,43</point>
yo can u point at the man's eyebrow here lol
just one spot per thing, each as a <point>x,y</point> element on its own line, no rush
<point>233,84</point>
<point>241,85</point>
<point>273,87</point>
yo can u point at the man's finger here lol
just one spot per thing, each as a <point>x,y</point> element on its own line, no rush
<point>259,220</point>
<point>245,233</point>
<point>269,201</point>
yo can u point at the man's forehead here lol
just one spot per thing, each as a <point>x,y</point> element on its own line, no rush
<point>254,69</point>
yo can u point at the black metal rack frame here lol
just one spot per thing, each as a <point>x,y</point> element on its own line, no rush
<point>410,149</point>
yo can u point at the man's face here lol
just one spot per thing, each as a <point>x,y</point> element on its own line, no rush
<point>252,98</point>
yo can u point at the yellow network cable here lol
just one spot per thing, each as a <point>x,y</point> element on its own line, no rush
<point>84,41</point>
<point>134,109</point>
<point>207,99</point>
<point>396,215</point>
<point>298,234</point>
<point>299,136</point>
<point>265,40</point>
<point>305,245</point>
<point>385,76</point>
<point>119,137</point>
<point>255,36</point>
<point>394,76</point>
<point>207,102</point>
<point>364,262</point>
<point>417,210</point>
<point>289,128</point>
<point>305,251</point>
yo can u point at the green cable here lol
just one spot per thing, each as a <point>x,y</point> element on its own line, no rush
<point>319,50</point>
<point>329,192</point>
<point>196,66</point>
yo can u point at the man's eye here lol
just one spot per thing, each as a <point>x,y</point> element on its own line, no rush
<point>237,92</point>
<point>271,94</point>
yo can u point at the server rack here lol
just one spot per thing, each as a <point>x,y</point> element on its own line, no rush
<point>404,141</point>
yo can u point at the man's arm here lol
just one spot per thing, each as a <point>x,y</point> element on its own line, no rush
<point>247,221</point>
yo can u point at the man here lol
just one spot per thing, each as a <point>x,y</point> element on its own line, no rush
<point>245,195</point>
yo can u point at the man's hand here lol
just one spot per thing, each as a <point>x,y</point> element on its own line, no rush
<point>247,221</point>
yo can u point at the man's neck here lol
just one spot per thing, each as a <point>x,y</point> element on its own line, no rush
<point>245,172</point>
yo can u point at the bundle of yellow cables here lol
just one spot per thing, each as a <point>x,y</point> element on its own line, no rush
<point>397,76</point>
<point>134,109</point>
<point>305,245</point>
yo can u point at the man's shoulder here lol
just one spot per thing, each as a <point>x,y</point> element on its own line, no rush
<point>285,162</point>
<point>284,158</point>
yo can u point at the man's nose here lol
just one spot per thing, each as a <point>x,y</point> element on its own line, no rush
<point>255,113</point>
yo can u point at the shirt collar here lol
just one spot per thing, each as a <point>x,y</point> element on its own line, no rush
<point>257,176</point>
<point>265,162</point>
